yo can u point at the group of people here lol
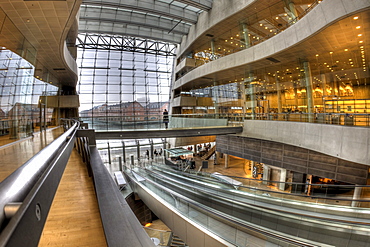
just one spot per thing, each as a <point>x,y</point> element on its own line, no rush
<point>156,153</point>
<point>205,147</point>
<point>200,147</point>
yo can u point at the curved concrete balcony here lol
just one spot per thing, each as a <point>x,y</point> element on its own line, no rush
<point>300,40</point>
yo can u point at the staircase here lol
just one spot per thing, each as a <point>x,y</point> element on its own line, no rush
<point>210,152</point>
<point>176,241</point>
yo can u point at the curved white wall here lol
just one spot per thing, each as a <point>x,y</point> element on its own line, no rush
<point>345,142</point>
<point>320,17</point>
<point>221,9</point>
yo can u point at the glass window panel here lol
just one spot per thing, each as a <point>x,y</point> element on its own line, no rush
<point>130,77</point>
<point>99,98</point>
<point>100,88</point>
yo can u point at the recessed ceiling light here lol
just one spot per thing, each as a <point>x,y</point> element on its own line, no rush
<point>355,18</point>
<point>358,27</point>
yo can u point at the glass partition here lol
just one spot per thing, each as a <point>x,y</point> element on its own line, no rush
<point>20,111</point>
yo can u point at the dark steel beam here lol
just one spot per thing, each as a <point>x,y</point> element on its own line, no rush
<point>141,134</point>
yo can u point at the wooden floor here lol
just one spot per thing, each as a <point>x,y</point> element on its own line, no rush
<point>74,218</point>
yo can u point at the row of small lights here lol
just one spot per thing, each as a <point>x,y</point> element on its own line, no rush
<point>362,48</point>
<point>350,61</point>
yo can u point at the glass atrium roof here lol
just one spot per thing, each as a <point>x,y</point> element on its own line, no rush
<point>163,20</point>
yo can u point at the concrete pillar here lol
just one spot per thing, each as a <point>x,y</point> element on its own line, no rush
<point>124,152</point>
<point>296,96</point>
<point>216,98</point>
<point>323,84</point>
<point>212,49</point>
<point>247,39</point>
<point>120,163</point>
<point>308,81</point>
<point>266,174</point>
<point>293,14</point>
<point>132,160</point>
<point>151,155</point>
<point>217,158</point>
<point>278,90</point>
<point>252,92</point>
<point>283,174</point>
<point>242,93</point>
<point>356,196</point>
<point>226,160</point>
<point>109,157</point>
<point>138,150</point>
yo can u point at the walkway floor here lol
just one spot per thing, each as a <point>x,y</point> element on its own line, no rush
<point>15,153</point>
<point>74,218</point>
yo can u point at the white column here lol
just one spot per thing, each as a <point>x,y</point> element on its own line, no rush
<point>308,81</point>
<point>292,10</point>
<point>278,91</point>
<point>356,196</point>
<point>283,174</point>
<point>266,173</point>
<point>226,160</point>
<point>252,92</point>
<point>246,36</point>
<point>213,49</point>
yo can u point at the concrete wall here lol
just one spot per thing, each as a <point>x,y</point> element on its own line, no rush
<point>293,158</point>
<point>221,10</point>
<point>344,142</point>
<point>177,122</point>
<point>190,141</point>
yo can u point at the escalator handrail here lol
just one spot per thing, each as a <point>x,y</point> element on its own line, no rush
<point>262,230</point>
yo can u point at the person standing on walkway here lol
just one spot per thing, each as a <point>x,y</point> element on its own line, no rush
<point>165,118</point>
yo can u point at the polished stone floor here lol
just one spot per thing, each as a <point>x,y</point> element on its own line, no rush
<point>14,153</point>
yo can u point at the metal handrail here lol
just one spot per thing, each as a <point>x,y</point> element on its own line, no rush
<point>26,194</point>
<point>205,175</point>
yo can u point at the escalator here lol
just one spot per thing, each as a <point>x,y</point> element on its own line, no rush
<point>302,223</point>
